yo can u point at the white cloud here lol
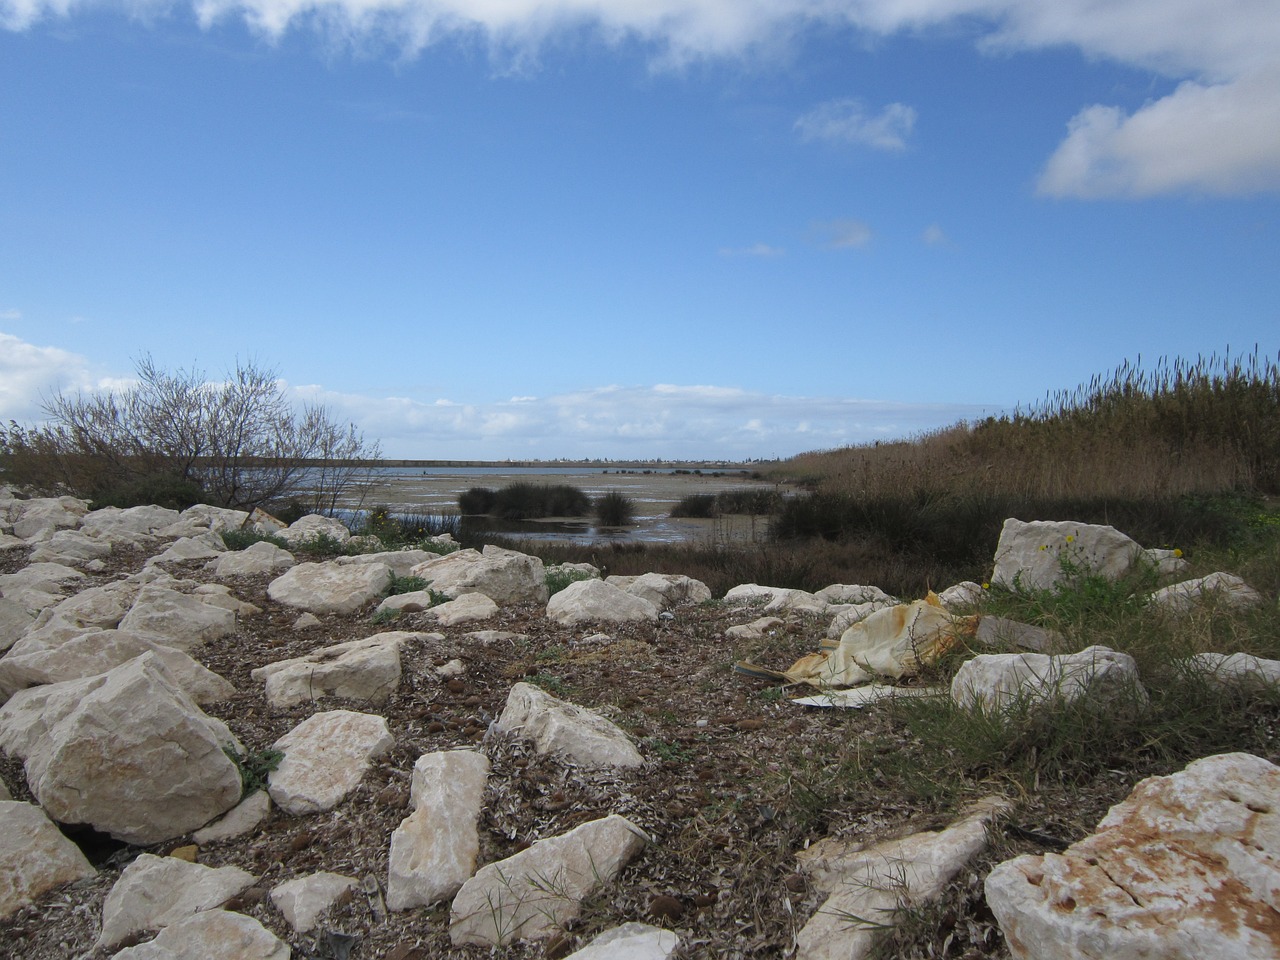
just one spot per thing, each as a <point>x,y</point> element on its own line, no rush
<point>934,236</point>
<point>1215,133</point>
<point>755,250</point>
<point>29,373</point>
<point>847,121</point>
<point>843,234</point>
<point>1217,139</point>
<point>668,421</point>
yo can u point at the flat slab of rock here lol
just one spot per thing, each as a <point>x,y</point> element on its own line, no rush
<point>330,587</point>
<point>996,681</point>
<point>1039,554</point>
<point>211,935</point>
<point>597,600</point>
<point>34,856</point>
<point>177,619</point>
<point>1235,668</point>
<point>127,752</point>
<point>631,941</point>
<point>239,820</point>
<point>312,527</point>
<point>1186,868</point>
<point>367,669</point>
<point>465,609</point>
<point>1224,590</point>
<point>664,590</point>
<point>539,890</point>
<point>303,900</point>
<point>14,622</point>
<point>255,559</point>
<point>434,850</point>
<point>504,576</point>
<point>869,884</point>
<point>154,892</point>
<point>556,726</point>
<point>325,758</point>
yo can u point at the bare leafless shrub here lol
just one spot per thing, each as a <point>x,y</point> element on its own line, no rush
<point>239,442</point>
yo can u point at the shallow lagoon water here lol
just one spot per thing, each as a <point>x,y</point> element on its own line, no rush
<point>434,490</point>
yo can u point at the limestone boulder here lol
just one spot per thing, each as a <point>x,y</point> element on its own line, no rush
<point>664,590</point>
<point>1232,669</point>
<point>630,941</point>
<point>154,892</point>
<point>202,547</point>
<point>556,726</point>
<point>70,547</point>
<point>1167,564</point>
<point>757,629</point>
<point>1041,554</point>
<point>465,609</point>
<point>211,935</point>
<point>177,619</point>
<point>754,593</point>
<point>330,587</point>
<point>37,519</point>
<point>1184,869</point>
<point>303,900</point>
<point>1216,591</point>
<point>14,622</point>
<point>325,758</point>
<point>127,752</point>
<point>98,651</point>
<point>255,559</point>
<point>34,856</point>
<point>53,578</point>
<point>540,889</point>
<point>131,525</point>
<point>216,519</point>
<point>367,669</point>
<point>245,816</point>
<point>504,576</point>
<point>312,527</point>
<point>434,850</point>
<point>867,885</point>
<point>1003,632</point>
<point>853,593</point>
<point>597,600</point>
<point>967,593</point>
<point>996,681</point>
<point>401,562</point>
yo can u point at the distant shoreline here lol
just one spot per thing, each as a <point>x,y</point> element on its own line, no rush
<point>579,464</point>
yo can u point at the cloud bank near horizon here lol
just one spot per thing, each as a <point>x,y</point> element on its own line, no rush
<point>1217,133</point>
<point>660,421</point>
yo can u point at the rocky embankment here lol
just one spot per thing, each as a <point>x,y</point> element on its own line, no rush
<point>238,754</point>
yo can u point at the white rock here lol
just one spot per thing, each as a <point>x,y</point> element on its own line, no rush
<point>211,935</point>
<point>177,619</point>
<point>465,609</point>
<point>367,669</point>
<point>217,519</point>
<point>755,630</point>
<point>313,526</point>
<point>325,758</point>
<point>14,622</point>
<point>48,577</point>
<point>330,587</point>
<point>540,889</point>
<point>996,681</point>
<point>1221,590</point>
<point>1001,631</point>
<point>34,856</point>
<point>99,651</point>
<point>869,884</point>
<point>592,600</point>
<point>45,515</point>
<point>753,593</point>
<point>631,941</point>
<point>414,601</point>
<point>434,850</point>
<point>206,546</point>
<point>1185,869</point>
<point>239,820</point>
<point>555,726</point>
<point>966,594</point>
<point>129,525</point>
<point>1166,563</point>
<point>303,900</point>
<point>1228,670</point>
<point>255,559</point>
<point>154,892</point>
<point>853,593</point>
<point>71,547</point>
<point>127,752</point>
<point>504,576</point>
<point>797,601</point>
<point>664,590</point>
<point>401,562</point>
<point>1037,555</point>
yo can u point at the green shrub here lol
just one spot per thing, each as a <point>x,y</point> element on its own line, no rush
<point>254,767</point>
<point>699,506</point>
<point>244,537</point>
<point>525,501</point>
<point>557,580</point>
<point>162,490</point>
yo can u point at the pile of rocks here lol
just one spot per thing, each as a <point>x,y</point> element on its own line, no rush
<point>103,692</point>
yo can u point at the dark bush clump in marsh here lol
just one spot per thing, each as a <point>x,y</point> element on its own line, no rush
<point>700,506</point>
<point>404,529</point>
<point>753,503</point>
<point>526,501</point>
<point>614,510</point>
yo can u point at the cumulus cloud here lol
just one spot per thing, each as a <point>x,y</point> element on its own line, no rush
<point>843,234</point>
<point>755,250</point>
<point>1215,133</point>
<point>847,121</point>
<point>29,373</point>
<point>667,421</point>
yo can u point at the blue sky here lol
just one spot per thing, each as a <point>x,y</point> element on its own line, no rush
<point>635,228</point>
